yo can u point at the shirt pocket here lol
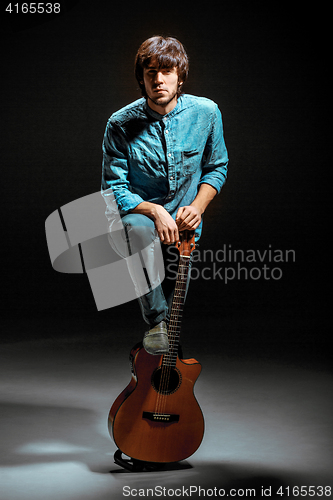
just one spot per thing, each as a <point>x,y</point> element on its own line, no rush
<point>190,161</point>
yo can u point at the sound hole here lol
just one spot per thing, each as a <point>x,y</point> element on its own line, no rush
<point>166,380</point>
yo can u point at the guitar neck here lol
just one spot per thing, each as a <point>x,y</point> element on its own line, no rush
<point>177,311</point>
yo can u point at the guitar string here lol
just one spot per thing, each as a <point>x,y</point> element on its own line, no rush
<point>167,359</point>
<point>177,319</point>
<point>165,368</point>
<point>180,288</point>
<point>165,372</point>
<point>170,359</point>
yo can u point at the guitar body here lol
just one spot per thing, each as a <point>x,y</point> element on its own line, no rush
<point>154,421</point>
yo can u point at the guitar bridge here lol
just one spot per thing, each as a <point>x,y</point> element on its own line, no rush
<point>160,417</point>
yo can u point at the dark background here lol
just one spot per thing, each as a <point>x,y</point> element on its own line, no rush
<point>267,68</point>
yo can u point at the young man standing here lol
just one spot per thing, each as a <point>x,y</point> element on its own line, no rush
<point>164,160</point>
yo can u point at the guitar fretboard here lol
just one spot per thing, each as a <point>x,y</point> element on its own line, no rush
<point>177,312</point>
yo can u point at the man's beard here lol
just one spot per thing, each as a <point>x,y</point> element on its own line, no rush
<point>164,104</point>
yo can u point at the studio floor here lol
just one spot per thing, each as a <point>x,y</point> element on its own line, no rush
<point>268,426</point>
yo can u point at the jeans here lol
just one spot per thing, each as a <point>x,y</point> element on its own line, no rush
<point>157,260</point>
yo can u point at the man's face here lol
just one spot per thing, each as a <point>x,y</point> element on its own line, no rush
<point>161,86</point>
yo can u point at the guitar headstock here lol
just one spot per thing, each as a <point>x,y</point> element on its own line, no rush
<point>186,243</point>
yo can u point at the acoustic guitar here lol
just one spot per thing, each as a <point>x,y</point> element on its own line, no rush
<point>157,417</point>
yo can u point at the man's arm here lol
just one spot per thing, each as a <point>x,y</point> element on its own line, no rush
<point>166,227</point>
<point>189,217</point>
<point>214,174</point>
<point>115,171</point>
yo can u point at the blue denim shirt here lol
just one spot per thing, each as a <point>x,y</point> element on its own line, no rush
<point>163,158</point>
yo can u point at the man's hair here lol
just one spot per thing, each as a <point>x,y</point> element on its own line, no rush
<point>168,52</point>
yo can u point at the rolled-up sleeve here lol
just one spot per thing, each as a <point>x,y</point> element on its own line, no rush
<point>214,170</point>
<point>115,170</point>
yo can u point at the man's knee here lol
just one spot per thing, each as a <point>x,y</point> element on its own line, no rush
<point>137,220</point>
<point>139,230</point>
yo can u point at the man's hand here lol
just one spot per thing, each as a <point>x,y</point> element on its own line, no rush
<point>188,218</point>
<point>166,227</point>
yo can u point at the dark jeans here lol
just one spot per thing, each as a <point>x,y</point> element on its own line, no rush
<point>153,261</point>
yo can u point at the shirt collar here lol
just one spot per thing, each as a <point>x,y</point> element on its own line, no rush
<point>173,112</point>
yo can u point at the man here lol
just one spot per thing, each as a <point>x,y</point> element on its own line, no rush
<point>164,160</point>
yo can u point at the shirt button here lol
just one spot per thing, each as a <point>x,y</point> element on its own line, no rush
<point>171,178</point>
<point>169,155</point>
<point>167,131</point>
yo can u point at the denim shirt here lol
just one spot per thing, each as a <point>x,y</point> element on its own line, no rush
<point>162,159</point>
